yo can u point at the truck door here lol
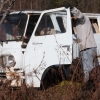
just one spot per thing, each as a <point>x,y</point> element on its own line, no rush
<point>50,44</point>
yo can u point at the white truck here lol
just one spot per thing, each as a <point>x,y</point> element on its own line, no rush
<point>41,41</point>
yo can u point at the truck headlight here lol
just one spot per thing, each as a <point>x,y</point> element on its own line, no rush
<point>9,61</point>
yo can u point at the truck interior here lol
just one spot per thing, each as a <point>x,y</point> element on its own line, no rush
<point>51,23</point>
<point>31,24</point>
<point>95,25</point>
<point>14,26</point>
<point>33,18</point>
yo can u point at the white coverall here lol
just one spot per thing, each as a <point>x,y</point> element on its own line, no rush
<point>87,44</point>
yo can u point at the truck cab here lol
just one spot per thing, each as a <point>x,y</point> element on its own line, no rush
<point>41,46</point>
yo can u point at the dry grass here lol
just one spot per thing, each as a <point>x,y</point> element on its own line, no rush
<point>66,90</point>
<point>74,89</point>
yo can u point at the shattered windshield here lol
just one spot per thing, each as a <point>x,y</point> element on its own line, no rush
<point>13,27</point>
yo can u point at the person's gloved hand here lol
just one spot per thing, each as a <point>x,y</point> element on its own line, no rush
<point>67,5</point>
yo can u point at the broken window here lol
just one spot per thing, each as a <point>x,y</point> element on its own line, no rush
<point>33,18</point>
<point>31,24</point>
<point>95,25</point>
<point>14,25</point>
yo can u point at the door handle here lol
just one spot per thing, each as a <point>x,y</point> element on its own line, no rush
<point>65,46</point>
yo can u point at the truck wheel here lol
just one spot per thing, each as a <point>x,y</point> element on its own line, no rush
<point>52,77</point>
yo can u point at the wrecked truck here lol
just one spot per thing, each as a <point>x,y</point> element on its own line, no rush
<point>41,41</point>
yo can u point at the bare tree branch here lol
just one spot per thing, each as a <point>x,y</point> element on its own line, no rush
<point>4,15</point>
<point>3,2</point>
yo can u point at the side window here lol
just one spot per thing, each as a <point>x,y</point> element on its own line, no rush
<point>31,24</point>
<point>45,26</point>
<point>52,23</point>
<point>95,26</point>
<point>61,24</point>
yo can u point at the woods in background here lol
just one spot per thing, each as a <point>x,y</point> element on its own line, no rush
<point>92,6</point>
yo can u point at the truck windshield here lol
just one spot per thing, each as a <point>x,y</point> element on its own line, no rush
<point>13,27</point>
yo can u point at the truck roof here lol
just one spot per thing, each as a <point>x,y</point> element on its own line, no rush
<point>92,14</point>
<point>26,12</point>
<point>38,12</point>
